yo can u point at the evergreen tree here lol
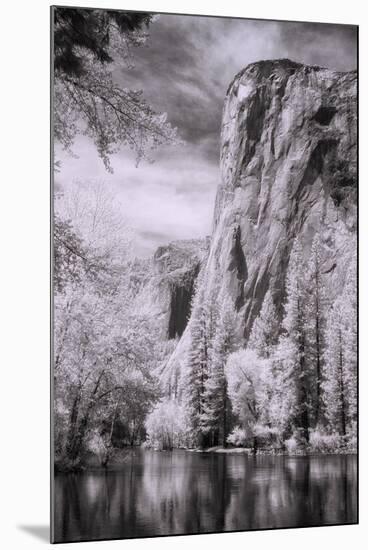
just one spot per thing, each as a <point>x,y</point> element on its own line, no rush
<point>351,338</point>
<point>294,343</point>
<point>340,371</point>
<point>335,382</point>
<point>216,409</point>
<point>282,400</point>
<point>315,309</point>
<point>263,339</point>
<point>265,330</point>
<point>198,362</point>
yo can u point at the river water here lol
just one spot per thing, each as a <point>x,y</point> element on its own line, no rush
<point>167,493</point>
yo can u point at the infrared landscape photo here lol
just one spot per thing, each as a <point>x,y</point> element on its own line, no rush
<point>204,248</point>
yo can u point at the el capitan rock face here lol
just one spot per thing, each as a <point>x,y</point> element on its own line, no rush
<point>288,165</point>
<point>288,170</point>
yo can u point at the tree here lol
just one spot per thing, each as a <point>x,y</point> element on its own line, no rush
<point>351,339</point>
<point>340,369</point>
<point>87,44</point>
<point>335,383</point>
<point>200,327</point>
<point>315,322</point>
<point>263,340</point>
<point>216,404</point>
<point>95,213</point>
<point>265,330</point>
<point>248,377</point>
<point>105,346</point>
<point>77,30</point>
<point>69,254</point>
<point>282,388</point>
<point>294,343</point>
<point>104,366</point>
<point>165,425</point>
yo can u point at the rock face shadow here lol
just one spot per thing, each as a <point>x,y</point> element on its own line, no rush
<point>42,532</point>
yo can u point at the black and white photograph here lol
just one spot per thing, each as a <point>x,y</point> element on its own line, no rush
<point>204,274</point>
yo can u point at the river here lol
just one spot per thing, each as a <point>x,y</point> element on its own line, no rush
<point>168,493</point>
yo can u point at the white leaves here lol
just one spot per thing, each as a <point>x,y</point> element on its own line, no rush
<point>166,425</point>
<point>247,380</point>
<point>340,369</point>
<point>111,116</point>
<point>265,328</point>
<point>104,342</point>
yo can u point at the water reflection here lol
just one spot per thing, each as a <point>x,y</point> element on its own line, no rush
<point>181,492</point>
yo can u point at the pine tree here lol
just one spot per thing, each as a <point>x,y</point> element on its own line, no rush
<point>334,385</point>
<point>282,400</point>
<point>198,362</point>
<point>294,343</point>
<point>315,321</point>
<point>216,410</point>
<point>263,339</point>
<point>265,330</point>
<point>351,338</point>
<point>340,371</point>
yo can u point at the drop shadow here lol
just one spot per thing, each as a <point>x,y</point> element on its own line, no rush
<point>41,532</point>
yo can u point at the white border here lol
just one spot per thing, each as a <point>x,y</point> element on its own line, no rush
<point>24,255</point>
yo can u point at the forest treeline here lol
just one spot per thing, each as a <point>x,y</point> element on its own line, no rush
<point>292,388</point>
<point>105,345</point>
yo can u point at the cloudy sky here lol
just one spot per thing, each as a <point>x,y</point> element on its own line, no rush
<point>184,69</point>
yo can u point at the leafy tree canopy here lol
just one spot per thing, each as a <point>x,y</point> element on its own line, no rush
<point>87,99</point>
<point>80,30</point>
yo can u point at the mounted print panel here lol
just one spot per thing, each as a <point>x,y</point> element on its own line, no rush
<point>204,372</point>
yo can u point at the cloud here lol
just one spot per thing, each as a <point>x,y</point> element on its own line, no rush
<point>184,70</point>
<point>170,199</point>
<point>331,46</point>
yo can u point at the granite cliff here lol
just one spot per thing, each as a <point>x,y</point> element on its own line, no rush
<point>288,169</point>
<point>170,280</point>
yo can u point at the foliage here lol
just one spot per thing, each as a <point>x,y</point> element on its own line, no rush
<point>293,386</point>
<point>69,254</point>
<point>291,444</point>
<point>216,408</point>
<point>324,443</point>
<point>340,372</point>
<point>237,437</point>
<point>212,330</point>
<point>87,99</point>
<point>315,307</point>
<point>198,360</point>
<point>298,387</point>
<point>248,379</point>
<point>265,330</point>
<point>294,323</point>
<point>98,32</point>
<point>105,347</point>
<point>165,426</point>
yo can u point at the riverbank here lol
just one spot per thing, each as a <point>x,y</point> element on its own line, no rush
<point>272,452</point>
<point>91,461</point>
<point>120,456</point>
<point>224,450</point>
